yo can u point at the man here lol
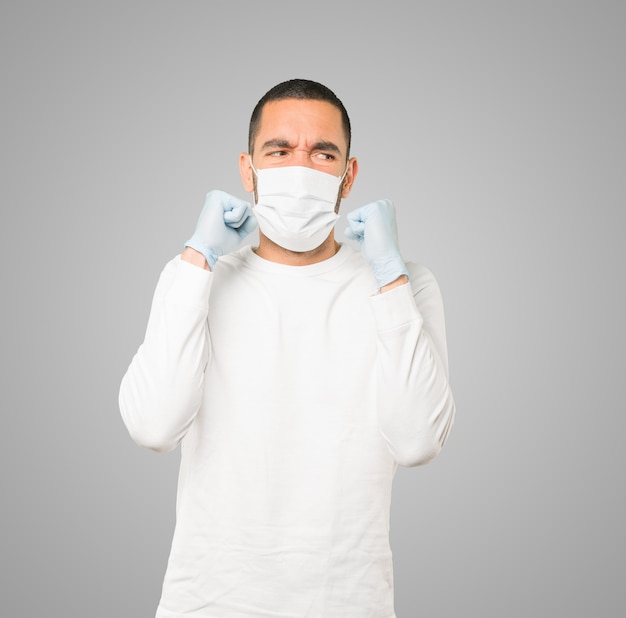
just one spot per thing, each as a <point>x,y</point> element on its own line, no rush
<point>295,375</point>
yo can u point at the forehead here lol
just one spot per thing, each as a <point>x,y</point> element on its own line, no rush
<point>299,121</point>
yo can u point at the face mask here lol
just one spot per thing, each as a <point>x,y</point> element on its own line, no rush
<point>296,205</point>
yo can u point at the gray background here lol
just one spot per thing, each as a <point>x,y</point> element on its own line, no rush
<point>498,130</point>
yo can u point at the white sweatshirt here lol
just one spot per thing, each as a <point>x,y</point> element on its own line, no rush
<point>294,393</point>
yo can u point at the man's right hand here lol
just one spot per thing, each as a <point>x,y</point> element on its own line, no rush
<point>223,224</point>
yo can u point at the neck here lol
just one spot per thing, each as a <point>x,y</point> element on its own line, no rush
<point>272,252</point>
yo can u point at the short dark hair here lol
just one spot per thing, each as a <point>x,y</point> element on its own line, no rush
<point>304,89</point>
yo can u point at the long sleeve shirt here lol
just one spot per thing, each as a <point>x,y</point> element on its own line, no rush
<point>294,393</point>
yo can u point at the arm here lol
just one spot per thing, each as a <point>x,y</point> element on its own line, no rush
<point>161,391</point>
<point>415,404</point>
<point>414,401</point>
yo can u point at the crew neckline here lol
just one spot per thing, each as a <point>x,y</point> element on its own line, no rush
<point>257,262</point>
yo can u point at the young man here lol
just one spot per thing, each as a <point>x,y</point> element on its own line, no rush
<point>295,375</point>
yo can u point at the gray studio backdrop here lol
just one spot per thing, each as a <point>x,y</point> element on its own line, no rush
<point>497,128</point>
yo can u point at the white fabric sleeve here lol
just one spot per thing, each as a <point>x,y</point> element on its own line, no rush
<point>415,404</point>
<point>161,391</point>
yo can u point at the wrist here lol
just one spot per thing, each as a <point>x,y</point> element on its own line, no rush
<point>401,280</point>
<point>389,269</point>
<point>194,257</point>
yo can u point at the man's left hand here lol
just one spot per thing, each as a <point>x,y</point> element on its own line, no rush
<point>374,227</point>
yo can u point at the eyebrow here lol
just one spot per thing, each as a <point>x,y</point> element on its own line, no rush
<point>283,143</point>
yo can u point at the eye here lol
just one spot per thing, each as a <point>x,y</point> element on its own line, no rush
<point>323,157</point>
<point>277,153</point>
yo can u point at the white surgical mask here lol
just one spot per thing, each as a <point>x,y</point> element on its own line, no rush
<point>295,205</point>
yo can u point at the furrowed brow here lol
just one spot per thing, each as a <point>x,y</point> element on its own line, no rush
<point>275,143</point>
<point>283,143</point>
<point>327,147</point>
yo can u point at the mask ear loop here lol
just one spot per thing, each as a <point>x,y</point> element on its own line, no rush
<point>254,168</point>
<point>257,175</point>
<point>340,191</point>
<point>344,172</point>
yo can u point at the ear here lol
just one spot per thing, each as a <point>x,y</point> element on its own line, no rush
<point>245,169</point>
<point>351,173</point>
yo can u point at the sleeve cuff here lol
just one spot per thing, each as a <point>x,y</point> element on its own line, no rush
<point>191,284</point>
<point>395,308</point>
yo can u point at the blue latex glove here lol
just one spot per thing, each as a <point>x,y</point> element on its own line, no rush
<point>223,223</point>
<point>374,227</point>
